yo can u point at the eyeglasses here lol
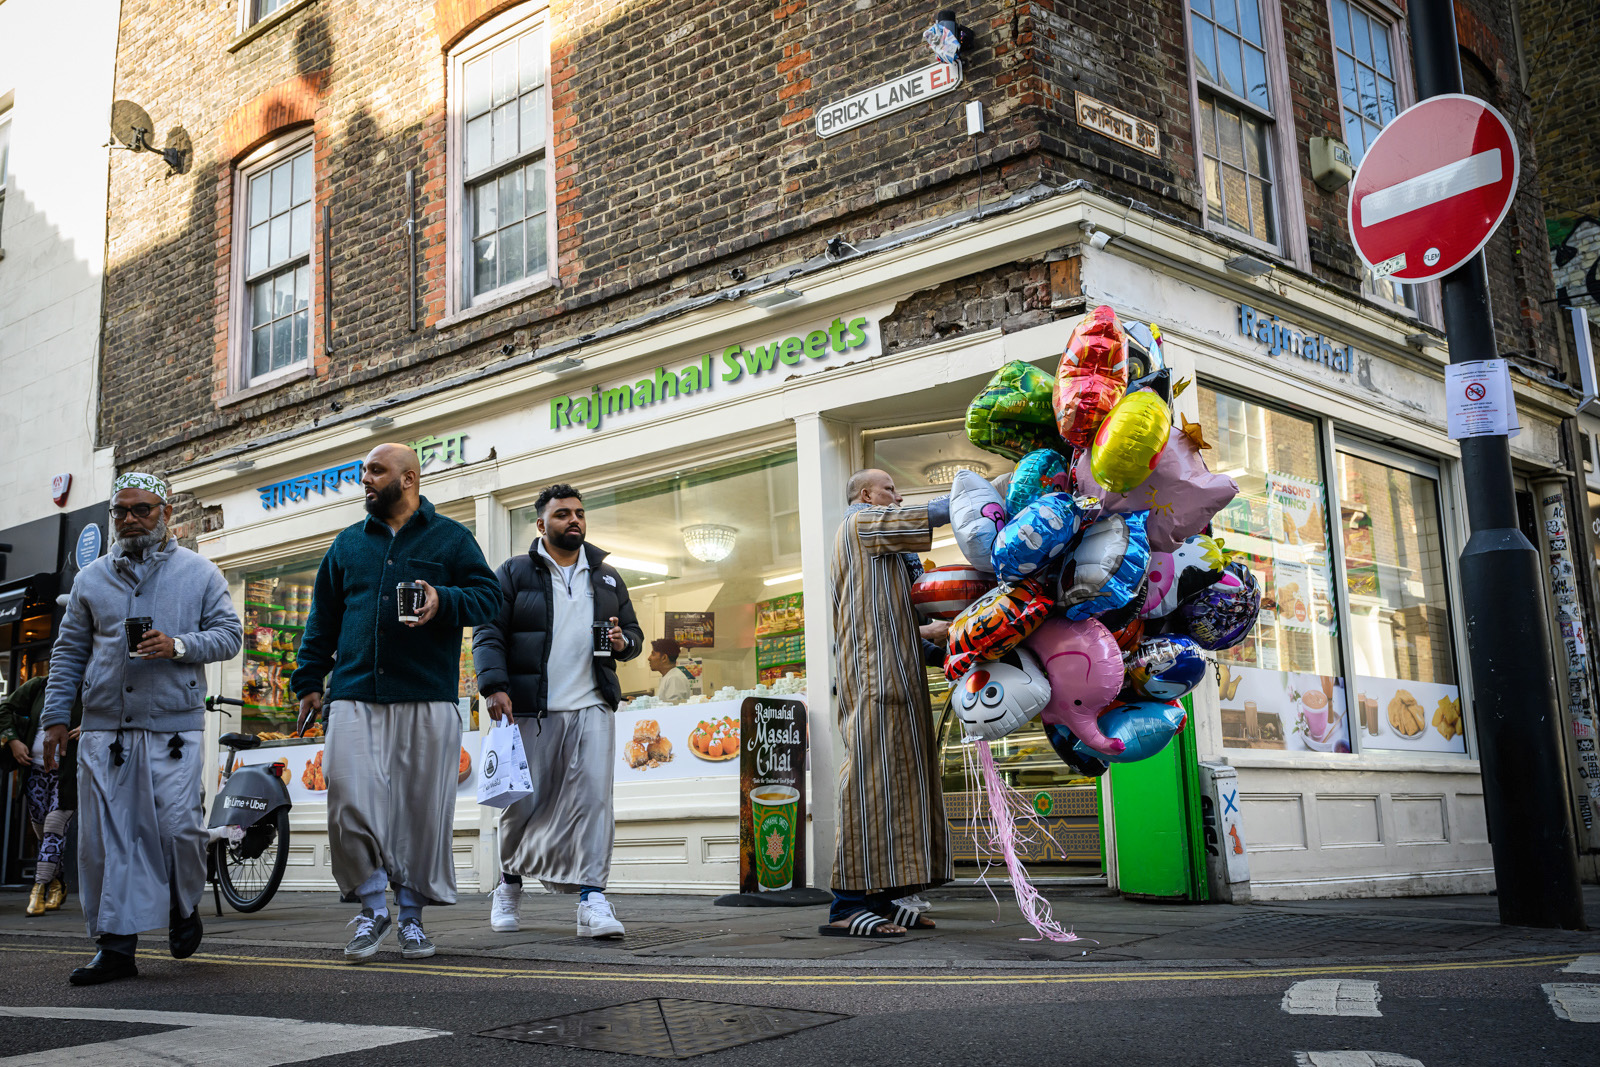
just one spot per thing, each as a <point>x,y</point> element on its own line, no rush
<point>141,511</point>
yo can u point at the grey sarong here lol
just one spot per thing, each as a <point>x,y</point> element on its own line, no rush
<point>141,836</point>
<point>392,772</point>
<point>562,833</point>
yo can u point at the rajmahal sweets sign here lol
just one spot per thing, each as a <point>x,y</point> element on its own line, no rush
<point>737,363</point>
<point>1280,337</point>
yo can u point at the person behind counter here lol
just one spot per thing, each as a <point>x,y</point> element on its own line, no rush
<point>675,680</point>
<point>892,838</point>
<point>52,796</point>
<point>549,659</point>
<point>140,625</point>
<point>393,733</point>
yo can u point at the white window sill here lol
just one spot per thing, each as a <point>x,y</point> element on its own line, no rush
<point>278,16</point>
<point>262,386</point>
<point>1366,762</point>
<point>496,303</point>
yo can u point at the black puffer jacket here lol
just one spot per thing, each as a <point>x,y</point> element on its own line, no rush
<point>510,653</point>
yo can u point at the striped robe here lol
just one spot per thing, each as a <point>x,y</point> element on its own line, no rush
<point>892,831</point>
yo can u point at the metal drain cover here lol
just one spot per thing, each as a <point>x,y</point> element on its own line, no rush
<point>665,1028</point>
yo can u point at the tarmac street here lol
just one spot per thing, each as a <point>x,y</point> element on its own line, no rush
<point>272,988</point>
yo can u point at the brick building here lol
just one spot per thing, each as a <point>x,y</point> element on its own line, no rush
<point>486,227</point>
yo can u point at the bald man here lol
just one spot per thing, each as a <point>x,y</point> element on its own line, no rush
<point>394,738</point>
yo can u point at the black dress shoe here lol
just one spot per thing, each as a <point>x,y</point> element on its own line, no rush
<point>184,936</point>
<point>106,966</point>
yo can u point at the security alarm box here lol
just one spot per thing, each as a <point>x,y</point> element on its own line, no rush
<point>1331,165</point>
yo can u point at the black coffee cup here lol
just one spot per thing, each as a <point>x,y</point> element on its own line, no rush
<point>602,640</point>
<point>136,629</point>
<point>409,597</point>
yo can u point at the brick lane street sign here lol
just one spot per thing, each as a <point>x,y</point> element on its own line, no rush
<point>1433,188</point>
<point>885,99</point>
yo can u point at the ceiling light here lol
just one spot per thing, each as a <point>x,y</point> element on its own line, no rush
<point>709,542</point>
<point>943,473</point>
<point>239,465</point>
<point>783,579</point>
<point>563,365</point>
<point>382,422</point>
<point>773,297</point>
<point>623,563</point>
<point>1249,266</point>
<point>1422,340</point>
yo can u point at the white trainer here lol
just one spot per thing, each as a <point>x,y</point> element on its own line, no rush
<point>503,905</point>
<point>596,919</point>
<point>916,902</point>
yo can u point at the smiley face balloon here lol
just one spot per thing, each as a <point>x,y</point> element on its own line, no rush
<point>996,697</point>
<point>1130,441</point>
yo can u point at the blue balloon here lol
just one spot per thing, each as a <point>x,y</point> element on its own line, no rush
<point>1065,742</point>
<point>1039,472</point>
<point>1035,540</point>
<point>1145,727</point>
<point>1164,668</point>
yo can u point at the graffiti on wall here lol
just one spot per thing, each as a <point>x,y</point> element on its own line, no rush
<point>1575,248</point>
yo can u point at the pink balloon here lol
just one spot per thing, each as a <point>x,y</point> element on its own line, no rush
<point>1180,494</point>
<point>1084,666</point>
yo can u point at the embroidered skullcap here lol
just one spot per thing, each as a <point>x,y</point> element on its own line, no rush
<point>148,482</point>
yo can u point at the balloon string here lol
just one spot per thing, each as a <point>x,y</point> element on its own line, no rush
<point>1005,804</point>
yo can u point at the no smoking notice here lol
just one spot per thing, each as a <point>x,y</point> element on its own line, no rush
<point>1480,399</point>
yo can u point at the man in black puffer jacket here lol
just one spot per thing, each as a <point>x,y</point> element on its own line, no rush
<point>538,662</point>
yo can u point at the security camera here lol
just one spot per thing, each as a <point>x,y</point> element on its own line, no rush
<point>1099,239</point>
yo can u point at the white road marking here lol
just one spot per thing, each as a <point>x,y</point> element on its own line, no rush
<point>1354,1059</point>
<point>206,1040</point>
<point>1333,996</point>
<point>1425,190</point>
<point>1574,1003</point>
<point>1583,965</point>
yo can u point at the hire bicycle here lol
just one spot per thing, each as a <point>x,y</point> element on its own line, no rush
<point>248,831</point>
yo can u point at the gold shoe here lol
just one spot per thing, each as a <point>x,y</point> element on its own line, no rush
<point>36,900</point>
<point>55,894</point>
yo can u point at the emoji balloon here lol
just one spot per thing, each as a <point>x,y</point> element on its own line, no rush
<point>995,697</point>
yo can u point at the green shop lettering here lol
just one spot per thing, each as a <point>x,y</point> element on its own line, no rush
<point>736,362</point>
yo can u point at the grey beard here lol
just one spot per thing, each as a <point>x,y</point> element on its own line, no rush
<point>138,546</point>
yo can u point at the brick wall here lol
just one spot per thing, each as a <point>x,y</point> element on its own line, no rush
<point>683,148</point>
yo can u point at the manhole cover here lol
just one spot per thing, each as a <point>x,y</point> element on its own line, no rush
<point>665,1028</point>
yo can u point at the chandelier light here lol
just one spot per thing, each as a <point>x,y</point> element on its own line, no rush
<point>709,542</point>
<point>945,472</point>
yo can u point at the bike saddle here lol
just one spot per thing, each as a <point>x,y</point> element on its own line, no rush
<point>242,742</point>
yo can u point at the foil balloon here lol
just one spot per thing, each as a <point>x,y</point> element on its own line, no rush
<point>1163,668</point>
<point>1037,537</point>
<point>1118,618</point>
<point>1066,745</point>
<point>1039,472</point>
<point>944,592</point>
<point>977,512</point>
<point>1145,354</point>
<point>1084,666</point>
<point>1195,564</point>
<point>1220,615</point>
<point>1158,580</point>
<point>1130,441</point>
<point>1092,376</point>
<point>996,697</point>
<point>1014,414</point>
<point>1181,494</point>
<point>995,624</point>
<point>1129,636</point>
<point>1141,728</point>
<point>1105,572</point>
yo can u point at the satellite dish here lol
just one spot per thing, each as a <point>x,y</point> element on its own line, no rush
<point>131,125</point>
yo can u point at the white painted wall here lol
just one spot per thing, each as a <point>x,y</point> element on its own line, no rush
<point>55,87</point>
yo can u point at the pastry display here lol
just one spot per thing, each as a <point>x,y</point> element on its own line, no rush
<point>717,740</point>
<point>1447,718</point>
<point>1406,716</point>
<point>312,779</point>
<point>648,748</point>
<point>463,767</point>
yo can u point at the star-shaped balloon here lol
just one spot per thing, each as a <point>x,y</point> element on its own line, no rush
<point>1194,432</point>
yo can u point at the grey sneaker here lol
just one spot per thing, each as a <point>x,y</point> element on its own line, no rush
<point>370,931</point>
<point>414,943</point>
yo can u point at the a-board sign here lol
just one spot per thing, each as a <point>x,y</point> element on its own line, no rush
<point>772,795</point>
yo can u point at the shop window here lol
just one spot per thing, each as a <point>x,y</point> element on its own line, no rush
<point>5,168</point>
<point>711,558</point>
<point>502,225</point>
<point>275,197</point>
<point>1236,99</point>
<point>923,460</point>
<point>1594,526</point>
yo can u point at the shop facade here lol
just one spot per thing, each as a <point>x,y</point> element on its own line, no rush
<point>713,449</point>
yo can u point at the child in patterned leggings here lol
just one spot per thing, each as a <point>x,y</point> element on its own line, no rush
<point>50,822</point>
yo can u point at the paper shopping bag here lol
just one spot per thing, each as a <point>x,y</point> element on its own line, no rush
<point>503,777</point>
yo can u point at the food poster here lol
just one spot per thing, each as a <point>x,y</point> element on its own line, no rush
<point>1283,711</point>
<point>692,629</point>
<point>772,794</point>
<point>1406,716</point>
<point>678,741</point>
<point>306,782</point>
<point>1295,511</point>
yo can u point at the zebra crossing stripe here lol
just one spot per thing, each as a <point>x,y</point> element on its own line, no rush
<point>1354,1059</point>
<point>1333,996</point>
<point>1574,1003</point>
<point>1583,965</point>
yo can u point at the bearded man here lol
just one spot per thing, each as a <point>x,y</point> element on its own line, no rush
<point>140,624</point>
<point>394,736</point>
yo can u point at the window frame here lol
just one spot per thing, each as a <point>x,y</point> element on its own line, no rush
<point>1288,195</point>
<point>5,171</point>
<point>262,159</point>
<point>510,24</point>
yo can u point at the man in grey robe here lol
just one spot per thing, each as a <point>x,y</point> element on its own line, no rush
<point>141,840</point>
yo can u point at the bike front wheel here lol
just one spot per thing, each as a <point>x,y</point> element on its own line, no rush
<point>249,871</point>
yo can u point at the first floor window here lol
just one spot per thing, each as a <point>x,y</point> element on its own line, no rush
<point>276,254</point>
<point>1229,50</point>
<point>260,9</point>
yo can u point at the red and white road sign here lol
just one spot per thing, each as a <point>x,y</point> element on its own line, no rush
<point>1433,187</point>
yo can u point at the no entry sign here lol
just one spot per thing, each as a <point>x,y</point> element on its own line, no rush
<point>1433,187</point>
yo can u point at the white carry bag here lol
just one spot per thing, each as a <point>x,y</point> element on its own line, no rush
<point>503,777</point>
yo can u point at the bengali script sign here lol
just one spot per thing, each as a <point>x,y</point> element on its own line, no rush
<point>446,451</point>
<point>1118,125</point>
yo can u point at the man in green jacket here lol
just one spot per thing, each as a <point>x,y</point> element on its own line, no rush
<point>394,738</point>
<point>52,795</point>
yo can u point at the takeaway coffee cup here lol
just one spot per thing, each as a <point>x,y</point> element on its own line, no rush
<point>602,640</point>
<point>136,628</point>
<point>773,811</point>
<point>409,597</point>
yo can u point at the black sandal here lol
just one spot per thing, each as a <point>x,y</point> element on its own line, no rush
<point>910,918</point>
<point>863,923</point>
